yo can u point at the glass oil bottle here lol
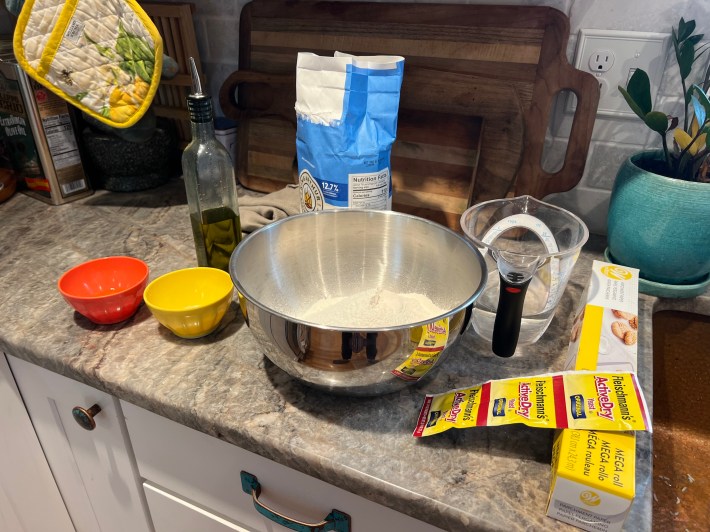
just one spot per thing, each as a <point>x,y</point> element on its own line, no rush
<point>210,184</point>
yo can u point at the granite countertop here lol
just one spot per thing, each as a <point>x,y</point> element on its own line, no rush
<point>487,478</point>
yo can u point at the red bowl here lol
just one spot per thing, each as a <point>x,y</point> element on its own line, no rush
<point>107,290</point>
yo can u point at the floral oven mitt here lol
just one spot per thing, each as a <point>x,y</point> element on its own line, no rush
<point>102,56</point>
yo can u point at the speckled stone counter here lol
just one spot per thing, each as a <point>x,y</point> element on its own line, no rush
<point>482,479</point>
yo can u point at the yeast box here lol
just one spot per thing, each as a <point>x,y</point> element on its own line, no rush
<point>594,472</point>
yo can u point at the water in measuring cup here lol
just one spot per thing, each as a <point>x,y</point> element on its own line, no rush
<point>536,314</point>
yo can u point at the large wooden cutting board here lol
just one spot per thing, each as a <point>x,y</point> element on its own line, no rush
<point>495,68</point>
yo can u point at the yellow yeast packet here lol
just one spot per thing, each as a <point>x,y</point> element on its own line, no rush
<point>576,399</point>
<point>431,343</point>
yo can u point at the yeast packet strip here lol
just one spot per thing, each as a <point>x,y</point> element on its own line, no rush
<point>347,109</point>
<point>589,400</point>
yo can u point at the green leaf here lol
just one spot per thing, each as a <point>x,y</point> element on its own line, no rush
<point>103,50</point>
<point>142,69</point>
<point>676,47</point>
<point>132,47</point>
<point>639,90</point>
<point>685,29</point>
<point>685,56</point>
<point>695,39</point>
<point>688,95</point>
<point>632,104</point>
<point>129,67</point>
<point>657,121</point>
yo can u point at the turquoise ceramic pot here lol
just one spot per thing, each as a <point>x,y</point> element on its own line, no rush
<point>658,224</point>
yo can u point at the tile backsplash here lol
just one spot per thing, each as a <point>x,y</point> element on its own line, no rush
<point>217,27</point>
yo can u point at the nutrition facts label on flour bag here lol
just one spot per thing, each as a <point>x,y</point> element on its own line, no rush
<point>369,190</point>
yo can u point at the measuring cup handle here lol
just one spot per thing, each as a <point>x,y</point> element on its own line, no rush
<point>506,329</point>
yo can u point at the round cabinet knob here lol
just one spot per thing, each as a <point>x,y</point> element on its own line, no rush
<point>84,417</point>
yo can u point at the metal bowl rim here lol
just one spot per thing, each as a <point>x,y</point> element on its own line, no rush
<point>469,301</point>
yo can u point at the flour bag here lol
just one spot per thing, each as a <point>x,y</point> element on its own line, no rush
<point>347,122</point>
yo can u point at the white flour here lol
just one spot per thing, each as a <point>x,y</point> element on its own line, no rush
<point>371,309</point>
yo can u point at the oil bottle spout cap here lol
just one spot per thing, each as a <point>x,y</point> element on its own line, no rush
<point>196,83</point>
<point>199,104</point>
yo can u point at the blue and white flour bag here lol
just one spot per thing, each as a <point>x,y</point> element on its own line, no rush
<point>347,122</point>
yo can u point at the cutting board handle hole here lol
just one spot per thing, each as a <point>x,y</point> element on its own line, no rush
<point>554,148</point>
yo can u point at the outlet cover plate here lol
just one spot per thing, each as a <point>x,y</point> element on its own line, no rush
<point>631,50</point>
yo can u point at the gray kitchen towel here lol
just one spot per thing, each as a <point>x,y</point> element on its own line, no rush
<point>258,211</point>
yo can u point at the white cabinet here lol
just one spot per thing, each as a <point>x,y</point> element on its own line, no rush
<point>192,482</point>
<point>179,479</point>
<point>94,469</point>
<point>29,498</point>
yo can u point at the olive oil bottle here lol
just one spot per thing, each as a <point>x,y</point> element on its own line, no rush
<point>210,184</point>
<point>216,234</point>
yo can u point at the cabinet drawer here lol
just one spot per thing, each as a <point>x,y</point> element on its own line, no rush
<point>205,471</point>
<point>173,514</point>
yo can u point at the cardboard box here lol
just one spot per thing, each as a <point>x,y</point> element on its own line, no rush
<point>594,472</point>
<point>593,478</point>
<point>18,151</point>
<point>37,133</point>
<point>605,328</point>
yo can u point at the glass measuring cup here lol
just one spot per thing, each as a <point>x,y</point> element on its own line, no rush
<point>530,249</point>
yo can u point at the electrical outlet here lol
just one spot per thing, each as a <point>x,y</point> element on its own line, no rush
<point>612,56</point>
<point>601,61</point>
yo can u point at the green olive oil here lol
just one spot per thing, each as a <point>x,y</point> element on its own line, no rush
<point>216,236</point>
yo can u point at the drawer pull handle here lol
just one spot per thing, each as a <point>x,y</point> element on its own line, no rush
<point>335,520</point>
<point>84,417</point>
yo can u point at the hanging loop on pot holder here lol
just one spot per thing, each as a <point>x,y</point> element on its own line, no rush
<point>103,57</point>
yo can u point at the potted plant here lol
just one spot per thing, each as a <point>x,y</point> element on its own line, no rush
<point>659,212</point>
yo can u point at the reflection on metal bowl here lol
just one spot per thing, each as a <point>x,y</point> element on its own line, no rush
<point>285,268</point>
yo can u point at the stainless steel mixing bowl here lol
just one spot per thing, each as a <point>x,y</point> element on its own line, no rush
<point>283,269</point>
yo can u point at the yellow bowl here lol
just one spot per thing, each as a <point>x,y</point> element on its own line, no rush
<point>190,302</point>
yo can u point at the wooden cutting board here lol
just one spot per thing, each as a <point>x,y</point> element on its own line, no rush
<point>487,73</point>
<point>434,160</point>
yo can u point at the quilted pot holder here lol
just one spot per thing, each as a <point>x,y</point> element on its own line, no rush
<point>102,56</point>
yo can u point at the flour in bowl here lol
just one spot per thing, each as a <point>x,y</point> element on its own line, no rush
<point>374,308</point>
